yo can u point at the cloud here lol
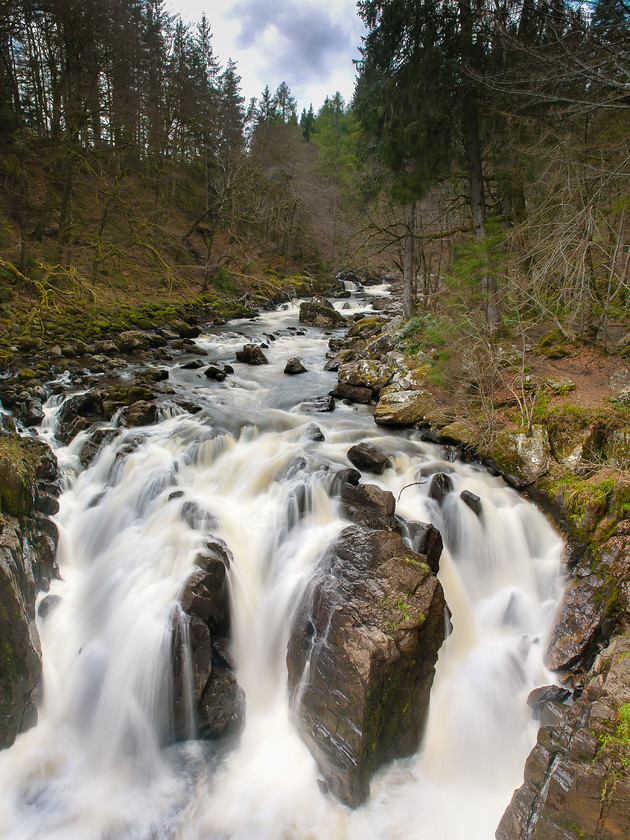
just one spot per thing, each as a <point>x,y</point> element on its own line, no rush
<point>301,42</point>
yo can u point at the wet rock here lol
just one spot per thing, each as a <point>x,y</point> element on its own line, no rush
<point>425,539</point>
<point>319,312</point>
<point>317,405</point>
<point>294,366</point>
<point>369,505</point>
<point>347,476</point>
<point>183,329</point>
<point>440,486</point>
<point>368,458</point>
<point>139,413</point>
<point>195,364</point>
<point>251,354</point>
<point>313,432</point>
<point>472,500</point>
<point>27,546</point>
<point>47,605</point>
<point>213,372</point>
<point>354,393</point>
<point>370,625</point>
<point>217,701</point>
<point>541,697</point>
<point>577,777</point>
<point>222,705</point>
<point>78,413</point>
<point>152,375</point>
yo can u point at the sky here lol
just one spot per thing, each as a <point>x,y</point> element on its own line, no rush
<point>309,44</point>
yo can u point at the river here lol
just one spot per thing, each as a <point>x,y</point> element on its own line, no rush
<point>99,766</point>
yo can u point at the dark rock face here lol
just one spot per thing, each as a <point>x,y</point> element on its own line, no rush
<point>370,624</point>
<point>472,500</point>
<point>368,458</point>
<point>79,412</point>
<point>28,542</point>
<point>213,372</point>
<point>294,366</point>
<point>319,312</point>
<point>577,777</point>
<point>369,505</point>
<point>206,696</point>
<point>440,485</point>
<point>251,354</point>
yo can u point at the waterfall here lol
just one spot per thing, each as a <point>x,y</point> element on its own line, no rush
<point>100,764</point>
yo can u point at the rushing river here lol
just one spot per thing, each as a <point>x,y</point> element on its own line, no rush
<point>98,765</point>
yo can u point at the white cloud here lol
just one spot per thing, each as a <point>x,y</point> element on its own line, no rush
<point>309,44</point>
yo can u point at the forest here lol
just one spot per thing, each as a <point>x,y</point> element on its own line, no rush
<point>485,155</point>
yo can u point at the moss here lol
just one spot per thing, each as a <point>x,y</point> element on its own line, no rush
<point>17,475</point>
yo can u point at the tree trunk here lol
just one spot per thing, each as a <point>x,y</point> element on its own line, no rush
<point>408,273</point>
<point>478,205</point>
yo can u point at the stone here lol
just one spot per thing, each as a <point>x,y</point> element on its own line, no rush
<point>152,375</point>
<point>619,384</point>
<point>560,384</point>
<point>365,373</point>
<point>183,329</point>
<point>368,505</point>
<point>213,372</point>
<point>139,413</point>
<point>354,393</point>
<point>317,405</point>
<point>319,312</point>
<point>195,364</point>
<point>222,705</point>
<point>545,694</point>
<point>370,626</point>
<point>522,459</point>
<point>367,458</point>
<point>472,500</point>
<point>251,354</point>
<point>313,432</point>
<point>368,326</point>
<point>403,408</point>
<point>294,366</point>
<point>440,486</point>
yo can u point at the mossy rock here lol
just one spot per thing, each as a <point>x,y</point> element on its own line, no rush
<point>367,327</point>
<point>17,475</point>
<point>521,458</point>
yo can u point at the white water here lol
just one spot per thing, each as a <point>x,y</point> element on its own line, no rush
<point>98,765</point>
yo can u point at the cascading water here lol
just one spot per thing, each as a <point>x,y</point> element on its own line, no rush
<point>98,765</point>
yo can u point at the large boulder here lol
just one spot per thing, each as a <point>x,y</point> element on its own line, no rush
<point>207,700</point>
<point>319,312</point>
<point>251,354</point>
<point>361,657</point>
<point>366,373</point>
<point>402,408</point>
<point>368,458</point>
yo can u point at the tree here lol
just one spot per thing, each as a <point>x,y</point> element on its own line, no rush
<point>307,122</point>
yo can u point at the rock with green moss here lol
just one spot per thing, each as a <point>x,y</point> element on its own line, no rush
<point>404,408</point>
<point>367,327</point>
<point>366,373</point>
<point>520,458</point>
<point>319,312</point>
<point>370,627</point>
